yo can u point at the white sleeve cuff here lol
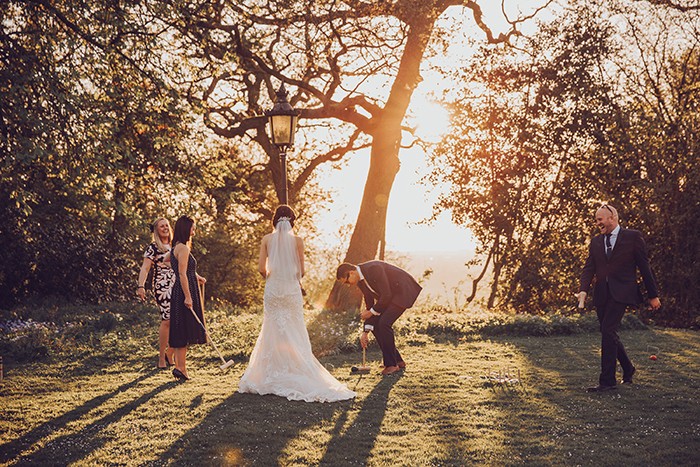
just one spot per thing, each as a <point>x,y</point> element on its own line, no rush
<point>369,327</point>
<point>371,310</point>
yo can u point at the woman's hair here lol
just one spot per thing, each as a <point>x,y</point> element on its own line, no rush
<point>183,230</point>
<point>156,236</point>
<point>283,211</point>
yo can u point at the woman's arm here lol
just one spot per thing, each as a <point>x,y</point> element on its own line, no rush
<point>182,253</point>
<point>300,252</point>
<point>143,275</point>
<point>262,258</point>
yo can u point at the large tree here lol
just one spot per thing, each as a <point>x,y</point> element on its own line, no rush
<point>353,64</point>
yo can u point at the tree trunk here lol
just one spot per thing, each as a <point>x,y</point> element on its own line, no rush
<point>384,162</point>
<point>119,219</point>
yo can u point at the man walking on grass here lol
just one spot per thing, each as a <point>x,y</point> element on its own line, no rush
<point>614,257</point>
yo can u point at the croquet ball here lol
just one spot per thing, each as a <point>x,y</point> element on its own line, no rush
<point>652,357</point>
<point>354,369</point>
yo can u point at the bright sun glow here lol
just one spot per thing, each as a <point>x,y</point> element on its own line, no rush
<point>431,119</point>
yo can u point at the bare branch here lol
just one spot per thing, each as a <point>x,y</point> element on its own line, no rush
<point>683,6</point>
<point>335,154</point>
<point>90,39</point>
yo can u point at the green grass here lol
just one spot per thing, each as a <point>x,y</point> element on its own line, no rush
<point>109,406</point>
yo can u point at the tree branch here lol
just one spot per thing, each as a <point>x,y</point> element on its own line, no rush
<point>92,41</point>
<point>335,154</point>
<point>680,6</point>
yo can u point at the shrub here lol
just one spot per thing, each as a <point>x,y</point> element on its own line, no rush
<point>333,332</point>
<point>106,322</point>
<point>29,346</point>
<point>495,324</point>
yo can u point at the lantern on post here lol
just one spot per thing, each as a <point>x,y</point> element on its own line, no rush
<point>283,123</point>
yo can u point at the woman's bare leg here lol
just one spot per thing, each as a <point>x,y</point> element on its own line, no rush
<point>180,354</point>
<point>163,334</point>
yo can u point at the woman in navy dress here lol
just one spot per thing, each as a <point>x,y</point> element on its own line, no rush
<point>184,328</point>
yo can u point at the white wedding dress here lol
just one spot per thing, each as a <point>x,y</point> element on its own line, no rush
<point>282,362</point>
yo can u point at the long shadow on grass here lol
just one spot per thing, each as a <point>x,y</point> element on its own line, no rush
<point>12,449</point>
<point>559,368</point>
<point>248,429</point>
<point>355,443</point>
<point>92,365</point>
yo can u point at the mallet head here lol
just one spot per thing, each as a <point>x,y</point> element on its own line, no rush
<point>359,370</point>
<point>226,365</point>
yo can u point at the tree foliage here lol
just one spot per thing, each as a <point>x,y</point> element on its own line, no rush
<point>546,131</point>
<point>96,143</point>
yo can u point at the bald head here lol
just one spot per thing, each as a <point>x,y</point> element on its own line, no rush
<point>606,218</point>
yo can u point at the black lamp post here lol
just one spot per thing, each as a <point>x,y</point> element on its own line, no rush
<point>283,123</point>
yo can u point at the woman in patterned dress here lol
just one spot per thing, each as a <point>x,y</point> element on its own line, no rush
<point>184,328</point>
<point>157,256</point>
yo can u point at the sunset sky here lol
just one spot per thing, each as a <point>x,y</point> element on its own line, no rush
<point>410,201</point>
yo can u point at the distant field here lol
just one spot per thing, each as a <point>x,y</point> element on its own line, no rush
<point>449,283</point>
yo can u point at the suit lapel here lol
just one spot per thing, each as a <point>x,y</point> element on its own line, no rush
<point>365,283</point>
<point>600,249</point>
<point>618,243</point>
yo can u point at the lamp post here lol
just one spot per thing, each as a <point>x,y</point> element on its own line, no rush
<point>283,123</point>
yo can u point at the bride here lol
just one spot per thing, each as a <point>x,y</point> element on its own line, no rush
<point>282,362</point>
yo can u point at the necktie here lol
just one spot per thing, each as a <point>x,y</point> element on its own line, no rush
<point>608,246</point>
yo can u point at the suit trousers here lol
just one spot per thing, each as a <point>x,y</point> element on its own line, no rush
<point>610,316</point>
<point>384,334</point>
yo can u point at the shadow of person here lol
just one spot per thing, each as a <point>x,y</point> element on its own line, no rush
<point>355,443</point>
<point>12,449</point>
<point>249,429</point>
<point>79,444</point>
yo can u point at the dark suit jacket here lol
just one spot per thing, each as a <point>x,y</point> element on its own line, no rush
<point>393,286</point>
<point>620,271</point>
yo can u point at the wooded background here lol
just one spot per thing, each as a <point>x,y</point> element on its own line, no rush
<point>115,113</point>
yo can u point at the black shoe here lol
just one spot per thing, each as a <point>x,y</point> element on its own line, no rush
<point>601,388</point>
<point>627,379</point>
<point>179,375</point>
<point>167,361</point>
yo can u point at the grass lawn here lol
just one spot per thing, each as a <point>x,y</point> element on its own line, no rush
<point>445,409</point>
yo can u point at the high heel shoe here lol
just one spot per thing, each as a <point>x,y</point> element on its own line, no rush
<point>179,375</point>
<point>167,361</point>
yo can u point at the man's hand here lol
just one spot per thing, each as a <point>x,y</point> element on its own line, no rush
<point>365,315</point>
<point>581,298</point>
<point>364,340</point>
<point>655,303</point>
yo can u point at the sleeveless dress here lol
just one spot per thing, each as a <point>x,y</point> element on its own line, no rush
<point>163,279</point>
<point>184,329</point>
<point>282,362</point>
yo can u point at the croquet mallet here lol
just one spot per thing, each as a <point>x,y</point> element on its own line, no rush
<point>224,364</point>
<point>361,370</point>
